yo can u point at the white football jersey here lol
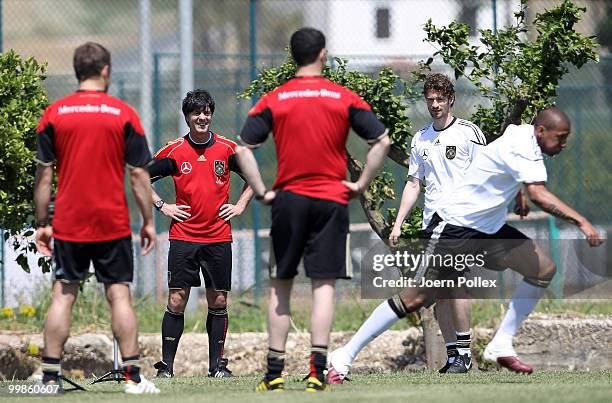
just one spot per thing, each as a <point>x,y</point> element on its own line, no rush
<point>480,201</point>
<point>441,157</point>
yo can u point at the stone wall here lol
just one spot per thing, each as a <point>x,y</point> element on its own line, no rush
<point>547,342</point>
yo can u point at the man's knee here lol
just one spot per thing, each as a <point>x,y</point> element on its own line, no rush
<point>545,275</point>
<point>177,301</point>
<point>402,305</point>
<point>117,292</point>
<point>217,300</point>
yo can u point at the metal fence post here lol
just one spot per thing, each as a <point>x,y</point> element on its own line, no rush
<point>2,267</point>
<point>256,206</point>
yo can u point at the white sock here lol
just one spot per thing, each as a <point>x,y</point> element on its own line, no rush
<point>380,320</point>
<point>525,298</point>
<point>463,343</point>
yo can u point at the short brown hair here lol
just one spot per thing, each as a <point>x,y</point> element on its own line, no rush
<point>89,60</point>
<point>439,83</point>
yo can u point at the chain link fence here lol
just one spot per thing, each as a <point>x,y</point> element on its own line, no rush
<point>233,39</point>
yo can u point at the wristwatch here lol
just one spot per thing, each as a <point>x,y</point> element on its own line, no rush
<point>159,204</point>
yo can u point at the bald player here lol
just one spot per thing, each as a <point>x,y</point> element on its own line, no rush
<point>475,213</point>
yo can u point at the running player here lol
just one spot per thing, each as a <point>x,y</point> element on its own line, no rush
<point>85,134</point>
<point>474,215</point>
<point>310,117</point>
<point>200,232</point>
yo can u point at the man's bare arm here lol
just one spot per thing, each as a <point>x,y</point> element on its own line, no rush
<point>250,172</point>
<point>374,160</point>
<point>409,197</point>
<point>141,187</point>
<point>550,203</point>
<point>42,191</point>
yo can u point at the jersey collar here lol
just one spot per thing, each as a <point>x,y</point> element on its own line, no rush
<point>447,126</point>
<point>211,140</point>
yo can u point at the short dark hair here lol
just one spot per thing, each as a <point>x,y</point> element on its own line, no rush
<point>439,83</point>
<point>89,60</point>
<point>198,100</point>
<point>306,44</point>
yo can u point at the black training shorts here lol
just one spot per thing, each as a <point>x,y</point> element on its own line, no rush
<point>112,260</point>
<point>186,259</point>
<point>447,239</point>
<point>315,229</point>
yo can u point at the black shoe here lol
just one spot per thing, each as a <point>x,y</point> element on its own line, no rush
<point>445,367</point>
<point>220,371</point>
<point>461,365</point>
<point>163,370</point>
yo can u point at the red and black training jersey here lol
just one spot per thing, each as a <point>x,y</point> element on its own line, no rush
<point>310,118</point>
<point>202,181</point>
<point>91,136</point>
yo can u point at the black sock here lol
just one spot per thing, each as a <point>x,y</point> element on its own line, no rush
<point>131,368</point>
<point>276,364</point>
<point>172,330</point>
<point>51,368</point>
<point>318,362</point>
<point>463,343</point>
<point>216,327</point>
<point>451,351</point>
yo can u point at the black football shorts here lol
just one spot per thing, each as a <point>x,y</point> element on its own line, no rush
<point>112,260</point>
<point>187,259</point>
<point>315,229</point>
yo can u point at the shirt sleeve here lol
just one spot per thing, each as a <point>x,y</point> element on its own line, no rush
<point>258,124</point>
<point>525,161</point>
<point>415,166</point>
<point>233,164</point>
<point>363,121</point>
<point>45,145</point>
<point>160,168</point>
<point>137,152</point>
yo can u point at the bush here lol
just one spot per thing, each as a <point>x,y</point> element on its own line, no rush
<point>22,101</point>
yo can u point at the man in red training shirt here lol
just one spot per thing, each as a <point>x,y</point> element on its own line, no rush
<point>90,134</point>
<point>310,118</point>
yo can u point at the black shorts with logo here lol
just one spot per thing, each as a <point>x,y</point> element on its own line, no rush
<point>315,229</point>
<point>187,259</point>
<point>112,260</point>
<point>447,239</point>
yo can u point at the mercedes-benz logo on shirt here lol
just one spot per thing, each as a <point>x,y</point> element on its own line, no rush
<point>185,167</point>
<point>425,154</point>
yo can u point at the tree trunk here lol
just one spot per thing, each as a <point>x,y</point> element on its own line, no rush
<point>435,351</point>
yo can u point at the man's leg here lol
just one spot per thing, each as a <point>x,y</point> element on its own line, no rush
<point>57,328</point>
<point>279,321</point>
<point>321,319</point>
<point>173,323</point>
<point>125,328</point>
<point>461,312</point>
<point>381,319</point>
<point>538,270</point>
<point>216,327</point>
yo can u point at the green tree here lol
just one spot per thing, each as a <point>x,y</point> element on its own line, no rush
<point>517,76</point>
<point>22,100</point>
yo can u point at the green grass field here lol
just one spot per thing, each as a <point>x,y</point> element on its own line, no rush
<point>420,386</point>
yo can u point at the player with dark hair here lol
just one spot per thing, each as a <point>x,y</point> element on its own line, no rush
<point>440,154</point>
<point>92,133</point>
<point>310,117</point>
<point>200,232</point>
